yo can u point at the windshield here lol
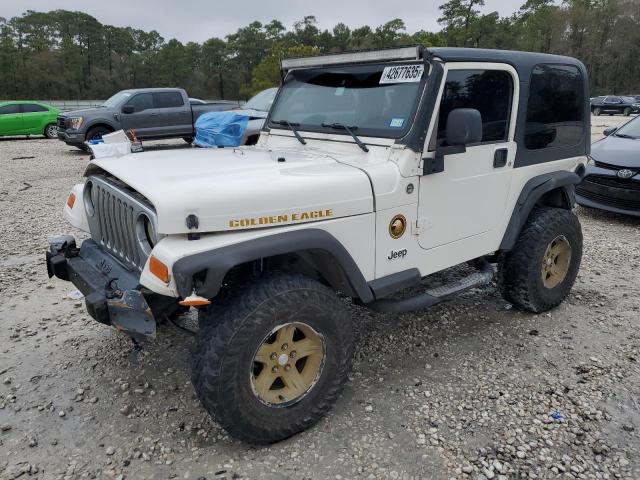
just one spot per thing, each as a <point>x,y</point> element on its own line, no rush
<point>262,101</point>
<point>631,129</point>
<point>115,100</point>
<point>378,100</point>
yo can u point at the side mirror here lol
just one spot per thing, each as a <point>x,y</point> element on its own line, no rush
<point>609,131</point>
<point>464,127</point>
<point>128,109</point>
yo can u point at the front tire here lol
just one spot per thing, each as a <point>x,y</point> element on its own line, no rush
<point>275,359</point>
<point>51,131</point>
<point>539,272</point>
<point>96,133</point>
<point>597,111</point>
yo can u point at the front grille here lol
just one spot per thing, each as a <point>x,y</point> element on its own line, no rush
<point>117,222</point>
<point>608,191</point>
<point>615,183</point>
<point>610,166</point>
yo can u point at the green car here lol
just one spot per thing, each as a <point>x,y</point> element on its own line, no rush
<point>28,118</point>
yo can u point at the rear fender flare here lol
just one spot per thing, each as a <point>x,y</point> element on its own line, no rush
<point>554,189</point>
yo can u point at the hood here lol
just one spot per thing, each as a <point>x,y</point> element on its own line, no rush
<point>85,112</point>
<point>621,152</point>
<point>241,188</point>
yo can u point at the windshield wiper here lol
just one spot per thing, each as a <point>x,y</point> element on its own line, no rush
<point>292,127</point>
<point>349,130</point>
<point>624,135</point>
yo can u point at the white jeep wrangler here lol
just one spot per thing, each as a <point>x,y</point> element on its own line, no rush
<point>374,170</point>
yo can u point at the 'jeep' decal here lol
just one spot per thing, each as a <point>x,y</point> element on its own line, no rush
<point>397,254</point>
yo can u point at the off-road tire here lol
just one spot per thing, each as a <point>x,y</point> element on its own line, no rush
<point>626,112</point>
<point>597,111</point>
<point>51,131</point>
<point>224,351</point>
<point>519,270</point>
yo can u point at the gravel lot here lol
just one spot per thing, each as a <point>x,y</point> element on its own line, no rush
<point>471,389</point>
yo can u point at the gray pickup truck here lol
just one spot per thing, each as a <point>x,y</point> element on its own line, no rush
<point>153,113</point>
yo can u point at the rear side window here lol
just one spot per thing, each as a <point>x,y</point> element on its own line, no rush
<point>8,109</point>
<point>141,101</point>
<point>555,110</point>
<point>488,91</point>
<point>167,100</point>
<point>32,107</point>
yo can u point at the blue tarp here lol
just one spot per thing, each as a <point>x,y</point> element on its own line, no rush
<point>220,129</point>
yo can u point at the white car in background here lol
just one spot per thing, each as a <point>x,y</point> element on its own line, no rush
<point>256,109</point>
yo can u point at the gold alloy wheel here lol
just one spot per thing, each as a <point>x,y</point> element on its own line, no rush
<point>556,261</point>
<point>287,364</point>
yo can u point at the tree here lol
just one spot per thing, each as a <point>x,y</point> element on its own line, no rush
<point>64,54</point>
<point>267,73</point>
<point>457,17</point>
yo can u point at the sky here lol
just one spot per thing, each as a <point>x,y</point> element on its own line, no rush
<point>199,20</point>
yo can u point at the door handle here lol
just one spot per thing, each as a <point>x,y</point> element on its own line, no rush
<point>153,114</point>
<point>500,158</point>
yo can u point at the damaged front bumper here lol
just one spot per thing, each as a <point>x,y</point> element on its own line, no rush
<point>112,293</point>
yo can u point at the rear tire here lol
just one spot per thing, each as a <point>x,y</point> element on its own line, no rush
<point>189,140</point>
<point>537,275</point>
<point>245,342</point>
<point>627,112</point>
<point>51,131</point>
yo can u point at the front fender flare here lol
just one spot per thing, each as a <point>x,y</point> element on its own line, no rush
<point>531,194</point>
<point>216,263</point>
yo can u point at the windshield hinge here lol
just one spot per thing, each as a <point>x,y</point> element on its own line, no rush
<point>420,225</point>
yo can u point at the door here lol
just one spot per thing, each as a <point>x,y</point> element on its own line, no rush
<point>141,119</point>
<point>468,198</point>
<point>174,115</point>
<point>10,120</point>
<point>33,117</point>
<point>613,105</point>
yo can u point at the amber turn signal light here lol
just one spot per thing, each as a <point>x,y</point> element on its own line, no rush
<point>159,269</point>
<point>195,301</point>
<point>71,200</point>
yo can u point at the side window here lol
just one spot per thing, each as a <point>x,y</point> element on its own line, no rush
<point>141,102</point>
<point>488,91</point>
<point>8,109</point>
<point>32,107</point>
<point>167,100</point>
<point>555,107</point>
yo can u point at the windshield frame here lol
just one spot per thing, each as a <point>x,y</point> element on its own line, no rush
<point>363,132</point>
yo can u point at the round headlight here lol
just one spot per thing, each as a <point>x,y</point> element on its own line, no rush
<point>88,199</point>
<point>146,233</point>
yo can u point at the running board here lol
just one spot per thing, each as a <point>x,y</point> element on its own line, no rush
<point>433,296</point>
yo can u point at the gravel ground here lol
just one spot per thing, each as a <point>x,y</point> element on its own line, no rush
<point>469,390</point>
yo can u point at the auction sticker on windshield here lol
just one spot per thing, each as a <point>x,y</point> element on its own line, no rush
<point>402,74</point>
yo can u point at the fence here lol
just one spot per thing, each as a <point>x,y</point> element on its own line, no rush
<point>66,105</point>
